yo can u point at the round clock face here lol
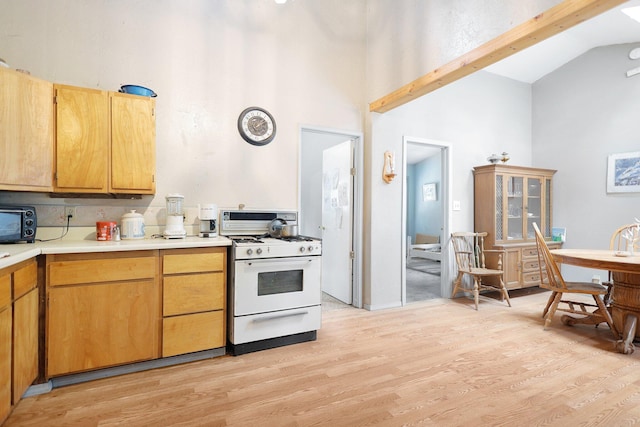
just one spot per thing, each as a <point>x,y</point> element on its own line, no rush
<point>256,126</point>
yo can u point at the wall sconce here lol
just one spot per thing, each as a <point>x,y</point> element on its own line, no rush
<point>389,168</point>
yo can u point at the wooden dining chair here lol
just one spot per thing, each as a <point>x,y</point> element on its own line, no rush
<point>470,257</point>
<point>552,279</point>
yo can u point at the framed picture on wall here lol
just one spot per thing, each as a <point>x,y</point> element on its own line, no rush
<point>623,173</point>
<point>429,192</point>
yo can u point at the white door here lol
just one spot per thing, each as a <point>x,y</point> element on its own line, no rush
<point>337,212</point>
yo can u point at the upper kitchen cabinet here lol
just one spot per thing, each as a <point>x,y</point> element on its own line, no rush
<point>26,132</point>
<point>105,142</point>
<point>133,144</point>
<point>82,140</point>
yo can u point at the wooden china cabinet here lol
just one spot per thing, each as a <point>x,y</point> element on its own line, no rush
<point>508,200</point>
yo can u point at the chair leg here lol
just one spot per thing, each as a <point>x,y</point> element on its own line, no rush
<point>505,292</point>
<point>457,284</point>
<point>606,315</point>
<point>552,309</point>
<point>549,302</point>
<point>476,291</point>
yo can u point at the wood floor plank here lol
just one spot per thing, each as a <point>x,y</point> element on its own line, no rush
<point>427,364</point>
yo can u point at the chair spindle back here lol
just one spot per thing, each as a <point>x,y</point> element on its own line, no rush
<point>550,276</point>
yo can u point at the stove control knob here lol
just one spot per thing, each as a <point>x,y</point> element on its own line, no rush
<point>259,251</point>
<point>310,248</point>
<point>249,251</point>
<point>302,248</point>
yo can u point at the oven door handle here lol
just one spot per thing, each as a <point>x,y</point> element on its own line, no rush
<point>280,316</point>
<point>288,262</point>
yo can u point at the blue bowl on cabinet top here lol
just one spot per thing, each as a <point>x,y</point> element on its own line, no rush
<point>137,90</point>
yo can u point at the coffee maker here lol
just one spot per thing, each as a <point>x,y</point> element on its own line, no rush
<point>208,220</point>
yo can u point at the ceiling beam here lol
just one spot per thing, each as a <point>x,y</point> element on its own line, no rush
<point>547,24</point>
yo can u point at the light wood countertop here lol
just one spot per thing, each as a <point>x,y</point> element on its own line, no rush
<point>22,251</point>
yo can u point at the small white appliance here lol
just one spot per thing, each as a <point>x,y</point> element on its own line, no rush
<point>174,228</point>
<point>208,214</point>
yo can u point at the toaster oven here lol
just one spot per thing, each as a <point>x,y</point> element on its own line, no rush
<point>17,224</point>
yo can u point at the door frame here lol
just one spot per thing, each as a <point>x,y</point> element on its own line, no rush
<point>445,193</point>
<point>357,191</point>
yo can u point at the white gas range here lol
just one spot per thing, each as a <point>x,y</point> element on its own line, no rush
<point>275,283</point>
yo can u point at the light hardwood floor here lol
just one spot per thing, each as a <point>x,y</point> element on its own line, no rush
<point>434,363</point>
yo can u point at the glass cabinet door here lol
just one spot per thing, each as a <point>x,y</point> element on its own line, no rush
<point>515,207</point>
<point>534,206</point>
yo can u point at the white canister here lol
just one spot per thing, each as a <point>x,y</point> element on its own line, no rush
<point>132,226</point>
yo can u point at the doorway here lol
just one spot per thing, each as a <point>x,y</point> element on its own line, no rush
<point>425,219</point>
<point>323,209</point>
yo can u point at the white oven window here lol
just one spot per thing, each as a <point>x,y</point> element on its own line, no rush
<point>280,282</point>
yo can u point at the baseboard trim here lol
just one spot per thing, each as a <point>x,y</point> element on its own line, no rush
<point>133,367</point>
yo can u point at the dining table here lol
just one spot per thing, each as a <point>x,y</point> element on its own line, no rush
<point>625,293</point>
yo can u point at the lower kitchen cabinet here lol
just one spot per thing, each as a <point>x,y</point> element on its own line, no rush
<point>194,300</point>
<point>25,329</point>
<point>6,323</point>
<point>102,310</point>
<point>18,332</point>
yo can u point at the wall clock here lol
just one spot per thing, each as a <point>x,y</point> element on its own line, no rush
<point>256,126</point>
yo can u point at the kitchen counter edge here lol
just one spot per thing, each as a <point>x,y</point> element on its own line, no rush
<point>19,252</point>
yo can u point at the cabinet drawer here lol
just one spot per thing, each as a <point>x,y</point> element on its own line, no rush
<point>531,265</point>
<point>531,278</point>
<point>100,270</point>
<point>192,332</point>
<point>530,252</point>
<point>194,262</point>
<point>25,279</point>
<point>5,290</point>
<point>193,293</point>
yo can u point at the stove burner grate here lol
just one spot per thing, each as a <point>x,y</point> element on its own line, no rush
<point>297,239</point>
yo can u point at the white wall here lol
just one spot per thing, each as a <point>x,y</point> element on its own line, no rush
<point>583,112</point>
<point>478,115</point>
<point>207,60</point>
<point>409,38</point>
<point>405,40</point>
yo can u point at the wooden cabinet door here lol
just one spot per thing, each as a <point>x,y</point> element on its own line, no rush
<point>101,325</point>
<point>512,268</point>
<point>5,362</point>
<point>133,144</point>
<point>82,140</point>
<point>25,343</point>
<point>26,132</point>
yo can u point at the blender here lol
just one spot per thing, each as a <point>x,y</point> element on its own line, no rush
<point>175,217</point>
<point>208,220</point>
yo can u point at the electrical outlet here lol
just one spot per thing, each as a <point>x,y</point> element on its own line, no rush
<point>69,211</point>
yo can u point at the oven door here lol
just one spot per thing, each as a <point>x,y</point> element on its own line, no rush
<point>275,284</point>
